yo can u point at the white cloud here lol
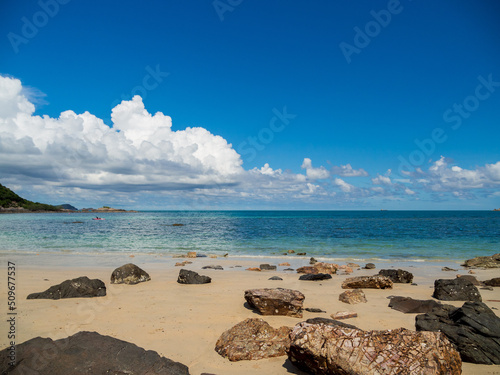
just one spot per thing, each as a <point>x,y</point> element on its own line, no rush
<point>381,180</point>
<point>314,173</point>
<point>347,171</point>
<point>344,186</point>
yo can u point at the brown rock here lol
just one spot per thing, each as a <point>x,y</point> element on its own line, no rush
<point>276,301</point>
<point>492,261</point>
<point>254,269</point>
<point>253,339</point>
<point>344,315</point>
<point>493,282</point>
<point>322,267</point>
<point>371,282</point>
<point>353,296</point>
<point>472,279</point>
<point>191,254</point>
<point>332,350</point>
<point>353,265</point>
<point>291,251</point>
<point>306,269</point>
<point>285,264</point>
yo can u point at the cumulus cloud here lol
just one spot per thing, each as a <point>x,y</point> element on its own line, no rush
<point>347,171</point>
<point>344,186</point>
<point>314,173</point>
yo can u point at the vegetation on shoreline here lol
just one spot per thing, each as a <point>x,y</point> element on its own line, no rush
<point>11,201</point>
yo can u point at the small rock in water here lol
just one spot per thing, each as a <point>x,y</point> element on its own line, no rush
<point>285,264</point>
<point>275,278</point>
<point>212,267</point>
<point>301,254</point>
<point>291,251</point>
<point>177,225</point>
<point>353,265</point>
<point>201,256</point>
<point>312,261</point>
<point>288,269</point>
<point>344,315</point>
<point>448,269</point>
<point>267,267</point>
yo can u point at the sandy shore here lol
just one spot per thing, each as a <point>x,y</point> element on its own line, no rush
<point>183,322</point>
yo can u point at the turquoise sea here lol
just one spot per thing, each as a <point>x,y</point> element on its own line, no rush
<point>357,235</point>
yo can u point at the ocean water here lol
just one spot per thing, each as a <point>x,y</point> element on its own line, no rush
<point>356,235</point>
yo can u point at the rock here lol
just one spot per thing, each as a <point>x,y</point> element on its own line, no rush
<point>191,254</point>
<point>486,288</point>
<point>315,276</point>
<point>212,267</point>
<point>75,288</point>
<point>474,329</point>
<point>177,225</point>
<point>291,251</point>
<point>353,265</point>
<point>371,282</point>
<point>267,267</point>
<point>306,269</point>
<point>87,353</point>
<point>183,264</point>
<point>346,269</point>
<point>276,301</point>
<point>492,282</point>
<point>288,269</point>
<point>471,272</point>
<point>302,254</point>
<point>352,297</point>
<point>344,315</point>
<point>330,322</point>
<point>409,305</point>
<point>191,277</point>
<point>253,339</point>
<point>398,276</point>
<point>129,274</point>
<point>254,269</point>
<point>369,266</point>
<point>492,261</point>
<point>275,278</point>
<point>458,289</point>
<point>213,256</point>
<point>198,255</point>
<point>448,269</point>
<point>472,279</point>
<point>314,310</point>
<point>284,264</point>
<point>331,350</point>
<point>322,267</point>
<point>313,261</point>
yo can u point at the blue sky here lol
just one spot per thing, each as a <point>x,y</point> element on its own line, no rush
<point>317,105</point>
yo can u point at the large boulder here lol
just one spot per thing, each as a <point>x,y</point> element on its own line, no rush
<point>86,353</point>
<point>367,282</point>
<point>276,301</point>
<point>75,288</point>
<point>459,289</point>
<point>473,328</point>
<point>409,305</point>
<point>353,296</point>
<point>129,274</point>
<point>331,350</point>
<point>191,277</point>
<point>398,276</point>
<point>253,339</point>
<point>492,261</point>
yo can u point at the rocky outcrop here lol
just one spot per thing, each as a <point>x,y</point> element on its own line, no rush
<point>367,282</point>
<point>315,276</point>
<point>332,350</point>
<point>459,289</point>
<point>87,353</point>
<point>398,276</point>
<point>493,282</point>
<point>191,277</point>
<point>129,274</point>
<point>473,328</point>
<point>330,322</point>
<point>75,288</point>
<point>492,261</point>
<point>352,296</point>
<point>276,301</point>
<point>253,339</point>
<point>409,305</point>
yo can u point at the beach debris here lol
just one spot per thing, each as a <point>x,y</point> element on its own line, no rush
<point>102,355</point>
<point>409,305</point>
<point>212,267</point>
<point>459,289</point>
<point>448,269</point>
<point>367,282</point>
<point>330,322</point>
<point>191,277</point>
<point>191,254</point>
<point>253,339</point>
<point>267,267</point>
<point>398,276</point>
<point>284,264</point>
<point>353,297</point>
<point>291,251</point>
<point>276,301</point>
<point>129,274</point>
<point>344,315</point>
<point>75,288</point>
<point>492,261</point>
<point>315,276</point>
<point>183,263</point>
<point>472,279</point>
<point>312,260</point>
<point>329,350</point>
<point>275,278</point>
<point>369,266</point>
<point>492,282</point>
<point>301,254</point>
<point>474,329</point>
<point>253,269</point>
<point>314,310</point>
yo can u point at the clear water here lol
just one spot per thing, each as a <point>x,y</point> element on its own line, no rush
<point>361,235</point>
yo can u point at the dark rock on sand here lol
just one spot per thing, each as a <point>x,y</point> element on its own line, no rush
<point>87,353</point>
<point>315,276</point>
<point>493,282</point>
<point>492,261</point>
<point>409,305</point>
<point>448,269</point>
<point>352,296</point>
<point>253,339</point>
<point>276,301</point>
<point>75,288</point>
<point>191,277</point>
<point>474,329</point>
<point>277,278</point>
<point>212,267</point>
<point>370,282</point>
<point>288,269</point>
<point>313,260</point>
<point>314,310</point>
<point>331,350</point>
<point>458,289</point>
<point>129,274</point>
<point>398,276</point>
<point>369,266</point>
<point>330,322</point>
<point>472,279</point>
<point>267,267</point>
